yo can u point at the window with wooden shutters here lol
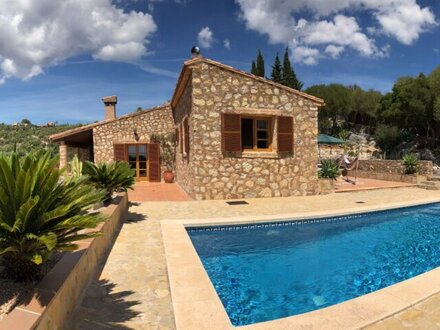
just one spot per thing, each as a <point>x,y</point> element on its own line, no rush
<point>231,132</point>
<point>154,162</point>
<point>186,134</point>
<point>285,134</point>
<point>120,152</point>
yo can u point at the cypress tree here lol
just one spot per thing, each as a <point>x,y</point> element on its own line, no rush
<point>276,75</point>
<point>260,65</point>
<point>288,77</point>
<point>254,68</point>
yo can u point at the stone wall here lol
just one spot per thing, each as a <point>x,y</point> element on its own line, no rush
<point>392,166</point>
<point>154,121</point>
<point>264,174</point>
<point>184,171</point>
<point>390,170</point>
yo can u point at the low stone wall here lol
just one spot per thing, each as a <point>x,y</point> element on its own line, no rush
<point>326,186</point>
<point>391,170</point>
<point>58,293</point>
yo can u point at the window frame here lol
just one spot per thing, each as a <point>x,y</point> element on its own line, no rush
<point>255,129</point>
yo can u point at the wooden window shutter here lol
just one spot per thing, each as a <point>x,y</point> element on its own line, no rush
<point>186,131</point>
<point>285,134</point>
<point>154,162</point>
<point>120,152</point>
<point>231,132</point>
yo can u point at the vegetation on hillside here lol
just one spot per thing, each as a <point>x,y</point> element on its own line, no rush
<point>410,112</point>
<point>26,137</point>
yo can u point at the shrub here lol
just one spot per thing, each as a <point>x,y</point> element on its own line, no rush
<point>329,170</point>
<point>116,176</point>
<point>39,213</point>
<point>410,163</point>
<point>387,137</point>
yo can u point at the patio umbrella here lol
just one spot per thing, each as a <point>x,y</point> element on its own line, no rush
<point>327,139</point>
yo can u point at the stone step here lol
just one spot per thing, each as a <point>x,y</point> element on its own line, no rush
<point>428,187</point>
<point>430,183</point>
<point>434,178</point>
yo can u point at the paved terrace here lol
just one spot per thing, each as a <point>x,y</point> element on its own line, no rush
<point>132,290</point>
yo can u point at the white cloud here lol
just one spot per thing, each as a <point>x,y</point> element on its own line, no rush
<point>306,55</point>
<point>331,26</point>
<point>227,44</point>
<point>205,37</point>
<point>38,34</point>
<point>334,51</point>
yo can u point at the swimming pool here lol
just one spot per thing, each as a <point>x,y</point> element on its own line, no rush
<point>268,271</point>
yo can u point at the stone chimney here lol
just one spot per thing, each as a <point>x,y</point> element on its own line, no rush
<point>110,106</point>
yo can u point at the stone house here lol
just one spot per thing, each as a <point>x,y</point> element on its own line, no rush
<point>237,135</point>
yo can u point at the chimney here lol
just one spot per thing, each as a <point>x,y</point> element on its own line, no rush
<point>110,106</point>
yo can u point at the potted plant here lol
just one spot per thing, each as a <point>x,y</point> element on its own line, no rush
<point>327,175</point>
<point>167,153</point>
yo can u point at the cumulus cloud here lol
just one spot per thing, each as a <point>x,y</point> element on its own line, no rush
<point>205,37</point>
<point>38,34</point>
<point>227,44</point>
<point>334,51</point>
<point>331,30</point>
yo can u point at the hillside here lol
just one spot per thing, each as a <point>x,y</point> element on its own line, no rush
<point>27,137</point>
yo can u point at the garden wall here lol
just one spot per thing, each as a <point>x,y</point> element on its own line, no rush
<point>390,170</point>
<point>58,293</point>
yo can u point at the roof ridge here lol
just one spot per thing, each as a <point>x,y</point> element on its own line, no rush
<point>103,122</point>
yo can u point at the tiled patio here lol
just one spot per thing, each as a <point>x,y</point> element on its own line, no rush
<point>343,185</point>
<point>132,291</point>
<point>157,192</point>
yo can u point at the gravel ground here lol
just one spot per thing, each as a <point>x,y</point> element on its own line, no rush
<point>14,293</point>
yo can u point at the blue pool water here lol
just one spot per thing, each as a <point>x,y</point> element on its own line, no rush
<point>265,272</point>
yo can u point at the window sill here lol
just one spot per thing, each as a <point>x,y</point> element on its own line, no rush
<point>258,154</point>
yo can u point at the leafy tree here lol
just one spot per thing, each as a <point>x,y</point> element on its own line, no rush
<point>387,137</point>
<point>254,68</point>
<point>259,68</point>
<point>338,103</point>
<point>138,109</point>
<point>26,121</point>
<point>40,213</point>
<point>410,105</point>
<point>276,70</point>
<point>288,74</point>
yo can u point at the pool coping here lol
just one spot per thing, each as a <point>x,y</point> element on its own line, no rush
<point>197,306</point>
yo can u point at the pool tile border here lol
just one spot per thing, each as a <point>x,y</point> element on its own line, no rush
<point>197,306</point>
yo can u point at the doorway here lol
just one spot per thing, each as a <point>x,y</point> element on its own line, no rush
<point>138,160</point>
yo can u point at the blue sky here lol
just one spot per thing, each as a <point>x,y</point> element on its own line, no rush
<point>58,61</point>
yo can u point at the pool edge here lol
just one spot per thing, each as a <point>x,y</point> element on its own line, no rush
<point>197,305</point>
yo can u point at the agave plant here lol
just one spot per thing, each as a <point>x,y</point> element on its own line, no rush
<point>329,170</point>
<point>39,213</point>
<point>116,176</point>
<point>410,163</point>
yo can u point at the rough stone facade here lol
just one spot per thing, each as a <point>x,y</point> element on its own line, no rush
<point>184,172</point>
<point>208,173</point>
<point>154,121</point>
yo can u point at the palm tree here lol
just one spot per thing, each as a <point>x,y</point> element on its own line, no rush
<point>40,213</point>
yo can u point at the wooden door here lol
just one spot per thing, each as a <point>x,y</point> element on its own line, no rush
<point>138,160</point>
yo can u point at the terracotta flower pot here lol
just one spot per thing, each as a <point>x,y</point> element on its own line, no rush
<point>168,176</point>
